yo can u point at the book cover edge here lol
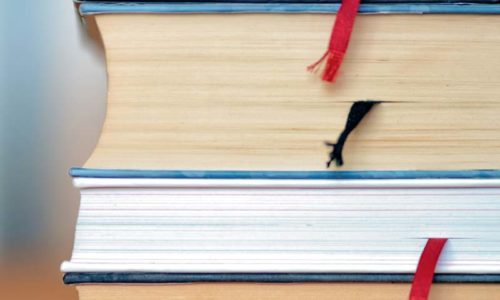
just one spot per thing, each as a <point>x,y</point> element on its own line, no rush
<point>145,277</point>
<point>93,8</point>
<point>320,175</point>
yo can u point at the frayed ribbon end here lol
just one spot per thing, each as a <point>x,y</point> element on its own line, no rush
<point>333,62</point>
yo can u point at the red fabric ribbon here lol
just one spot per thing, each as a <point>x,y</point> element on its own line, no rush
<point>422,281</point>
<point>339,40</point>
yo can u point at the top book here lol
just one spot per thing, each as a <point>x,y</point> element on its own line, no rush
<point>224,86</point>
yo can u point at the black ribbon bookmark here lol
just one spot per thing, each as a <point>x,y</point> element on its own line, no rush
<point>358,110</point>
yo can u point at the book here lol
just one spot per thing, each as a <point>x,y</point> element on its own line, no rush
<point>374,291</point>
<point>264,223</point>
<point>211,86</point>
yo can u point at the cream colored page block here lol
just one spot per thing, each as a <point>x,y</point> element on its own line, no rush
<point>313,291</point>
<point>231,92</point>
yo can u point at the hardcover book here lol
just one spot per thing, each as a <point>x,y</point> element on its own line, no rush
<point>211,86</point>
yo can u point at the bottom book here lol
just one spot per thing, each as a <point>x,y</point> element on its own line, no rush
<point>302,291</point>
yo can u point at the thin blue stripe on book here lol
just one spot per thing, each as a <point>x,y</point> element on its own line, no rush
<point>202,174</point>
<point>90,8</point>
<point>145,277</point>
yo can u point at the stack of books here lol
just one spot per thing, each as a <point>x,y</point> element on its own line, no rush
<point>224,164</point>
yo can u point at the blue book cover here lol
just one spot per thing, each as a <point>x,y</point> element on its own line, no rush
<point>252,6</point>
<point>320,175</point>
<point>144,277</point>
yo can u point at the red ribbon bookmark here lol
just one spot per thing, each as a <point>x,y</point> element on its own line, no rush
<point>339,40</point>
<point>422,281</point>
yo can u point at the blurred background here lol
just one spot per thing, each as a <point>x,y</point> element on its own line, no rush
<point>53,87</point>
